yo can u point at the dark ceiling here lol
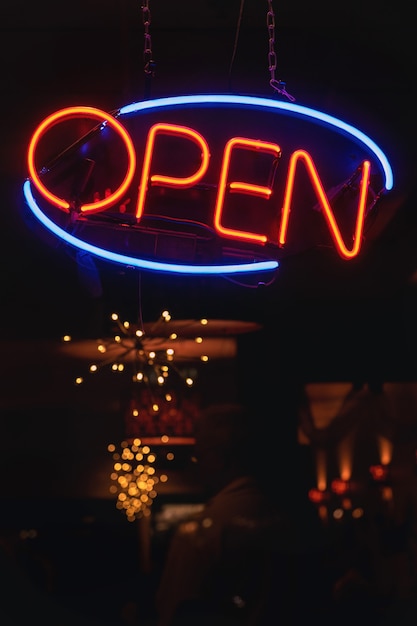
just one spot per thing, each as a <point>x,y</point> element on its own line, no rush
<point>324,317</point>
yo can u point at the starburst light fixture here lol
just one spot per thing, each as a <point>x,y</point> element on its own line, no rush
<point>161,360</point>
<point>150,352</point>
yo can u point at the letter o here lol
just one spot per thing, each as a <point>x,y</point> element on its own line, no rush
<point>71,113</point>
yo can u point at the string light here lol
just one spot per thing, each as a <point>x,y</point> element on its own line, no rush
<point>160,359</point>
<point>151,355</point>
<point>134,478</point>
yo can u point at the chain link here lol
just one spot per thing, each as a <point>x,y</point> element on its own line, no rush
<point>277,85</point>
<point>149,65</point>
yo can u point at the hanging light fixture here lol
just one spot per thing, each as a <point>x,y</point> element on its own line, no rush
<point>134,478</point>
<point>154,351</point>
<point>161,362</point>
<point>150,354</point>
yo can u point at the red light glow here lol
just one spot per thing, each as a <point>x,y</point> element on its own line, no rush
<point>317,495</point>
<point>378,472</point>
<point>339,486</point>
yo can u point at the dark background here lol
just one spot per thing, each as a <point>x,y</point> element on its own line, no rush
<point>323,319</point>
<point>355,61</point>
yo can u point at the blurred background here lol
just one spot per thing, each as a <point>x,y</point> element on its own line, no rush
<point>326,352</point>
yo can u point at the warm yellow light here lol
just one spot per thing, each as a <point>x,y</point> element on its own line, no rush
<point>135,487</point>
<point>66,338</point>
<point>321,470</point>
<point>322,512</point>
<point>387,494</point>
<point>157,361</point>
<point>338,513</point>
<point>163,478</point>
<point>385,450</point>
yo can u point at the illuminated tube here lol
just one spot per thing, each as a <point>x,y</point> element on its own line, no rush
<point>327,210</point>
<point>241,187</point>
<point>267,103</point>
<point>259,266</point>
<point>170,181</point>
<point>72,113</point>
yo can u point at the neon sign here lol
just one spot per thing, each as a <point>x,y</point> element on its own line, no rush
<point>220,185</point>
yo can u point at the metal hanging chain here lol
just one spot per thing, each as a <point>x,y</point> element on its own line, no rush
<point>277,85</point>
<point>149,63</point>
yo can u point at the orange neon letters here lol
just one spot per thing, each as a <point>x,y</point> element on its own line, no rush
<point>169,181</point>
<point>223,186</point>
<point>327,210</point>
<point>241,187</point>
<point>71,113</point>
